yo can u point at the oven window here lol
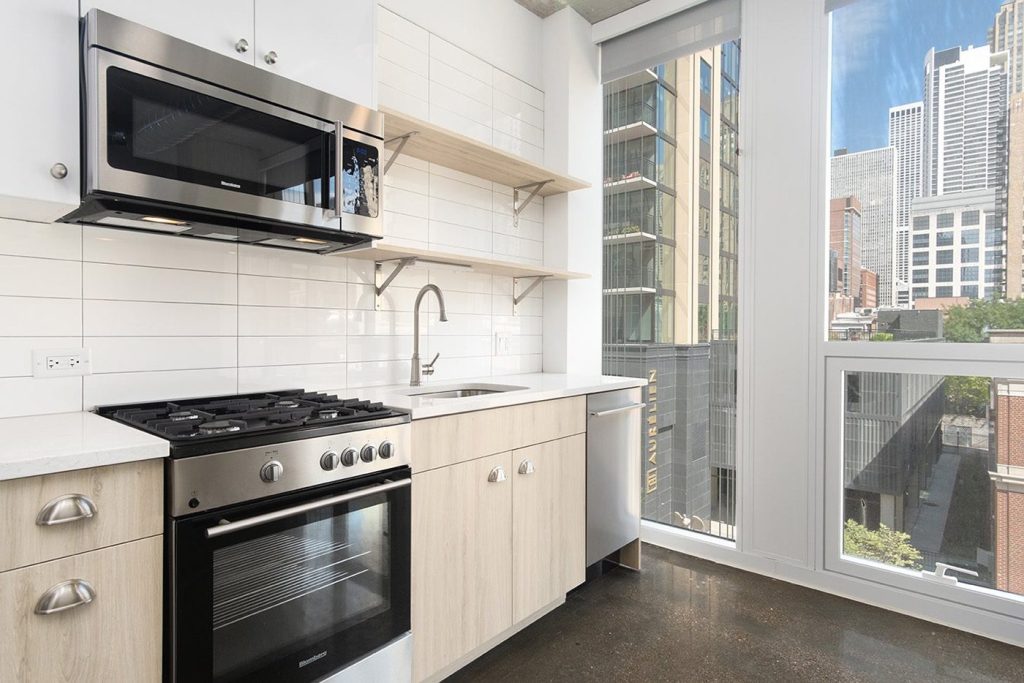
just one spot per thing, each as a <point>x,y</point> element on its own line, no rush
<point>163,130</point>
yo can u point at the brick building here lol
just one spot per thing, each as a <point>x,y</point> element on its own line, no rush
<point>1008,485</point>
<point>868,288</point>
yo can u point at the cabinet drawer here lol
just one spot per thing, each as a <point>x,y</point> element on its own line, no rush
<point>451,439</point>
<point>116,637</point>
<point>126,502</point>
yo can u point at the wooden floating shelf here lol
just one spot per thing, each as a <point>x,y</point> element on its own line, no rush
<point>448,148</point>
<point>386,252</point>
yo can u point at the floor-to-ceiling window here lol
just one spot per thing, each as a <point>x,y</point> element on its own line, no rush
<point>671,233</point>
<point>923,309</point>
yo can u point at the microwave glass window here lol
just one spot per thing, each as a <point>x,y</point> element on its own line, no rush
<point>360,179</point>
<point>163,130</point>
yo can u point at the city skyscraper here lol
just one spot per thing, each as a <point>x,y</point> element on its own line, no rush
<point>844,237</point>
<point>870,176</point>
<point>964,121</point>
<point>905,134</point>
<point>1007,35</point>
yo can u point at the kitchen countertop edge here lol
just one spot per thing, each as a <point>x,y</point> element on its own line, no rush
<point>62,442</point>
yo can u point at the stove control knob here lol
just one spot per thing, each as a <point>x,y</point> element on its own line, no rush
<point>349,457</point>
<point>368,453</point>
<point>330,460</point>
<point>272,471</point>
<point>386,450</point>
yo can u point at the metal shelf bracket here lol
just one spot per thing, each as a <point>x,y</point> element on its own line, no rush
<point>517,206</point>
<point>381,283</point>
<point>518,298</point>
<point>401,140</point>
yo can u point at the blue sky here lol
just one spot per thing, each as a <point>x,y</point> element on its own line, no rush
<point>878,49</point>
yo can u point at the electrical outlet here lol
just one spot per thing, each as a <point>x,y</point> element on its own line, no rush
<point>502,344</point>
<point>60,362</point>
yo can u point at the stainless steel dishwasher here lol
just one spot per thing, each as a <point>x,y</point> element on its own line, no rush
<point>613,476</point>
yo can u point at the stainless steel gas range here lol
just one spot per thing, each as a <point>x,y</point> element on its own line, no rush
<point>287,536</point>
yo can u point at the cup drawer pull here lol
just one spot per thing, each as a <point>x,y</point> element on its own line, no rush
<point>64,509</point>
<point>66,595</point>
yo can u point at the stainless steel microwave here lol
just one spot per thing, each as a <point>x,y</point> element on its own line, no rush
<point>177,138</point>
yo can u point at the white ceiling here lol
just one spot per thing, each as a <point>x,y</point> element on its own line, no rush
<point>591,10</point>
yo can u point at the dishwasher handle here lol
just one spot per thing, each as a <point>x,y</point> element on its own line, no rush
<point>616,411</point>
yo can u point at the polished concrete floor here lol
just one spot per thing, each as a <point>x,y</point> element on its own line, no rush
<point>685,619</point>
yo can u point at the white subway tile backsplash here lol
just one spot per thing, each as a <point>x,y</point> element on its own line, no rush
<point>41,317</point>
<point>515,145</point>
<point>127,387</point>
<point>399,100</point>
<point>140,283</point>
<point>516,128</point>
<point>278,291</point>
<point>291,264</point>
<point>463,215</point>
<point>461,239</point>
<point>395,298</point>
<point>442,116</point>
<point>45,240</point>
<point>458,347</point>
<point>256,351</point>
<point>458,81</point>
<point>129,247</point>
<point>28,276</point>
<point>33,396</point>
<point>461,60</point>
<point>320,377</point>
<point>379,347</point>
<point>454,101</point>
<point>403,201</point>
<point>379,323</point>
<point>140,319</point>
<point>409,229</point>
<point>462,368</point>
<point>378,373</point>
<point>141,354</point>
<point>458,324</point>
<point>264,321</point>
<point>401,54</point>
<point>450,189</point>
<point>518,109</point>
<point>404,79</point>
<point>16,352</point>
<point>510,85</point>
<point>394,25</point>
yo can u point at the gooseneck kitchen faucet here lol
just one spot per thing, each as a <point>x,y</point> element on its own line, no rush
<point>427,369</point>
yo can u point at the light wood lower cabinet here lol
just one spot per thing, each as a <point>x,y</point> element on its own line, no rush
<point>461,560</point>
<point>116,637</point>
<point>488,554</point>
<point>548,523</point>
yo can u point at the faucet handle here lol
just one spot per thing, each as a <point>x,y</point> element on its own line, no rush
<point>428,368</point>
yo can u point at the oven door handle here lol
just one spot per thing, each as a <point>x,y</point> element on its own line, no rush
<point>257,520</point>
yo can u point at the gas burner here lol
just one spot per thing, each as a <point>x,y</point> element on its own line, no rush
<point>221,427</point>
<point>327,414</point>
<point>182,415</point>
<point>286,403</point>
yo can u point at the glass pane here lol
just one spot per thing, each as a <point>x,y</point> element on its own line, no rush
<point>933,471</point>
<point>170,132</point>
<point>315,579</point>
<point>671,275</point>
<point>921,130</point>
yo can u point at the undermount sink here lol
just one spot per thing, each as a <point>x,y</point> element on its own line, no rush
<point>465,391</point>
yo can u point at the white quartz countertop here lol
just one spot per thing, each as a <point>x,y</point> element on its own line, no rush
<point>44,444</point>
<point>530,388</point>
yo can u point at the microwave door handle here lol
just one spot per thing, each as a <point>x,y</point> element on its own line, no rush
<point>257,520</point>
<point>339,162</point>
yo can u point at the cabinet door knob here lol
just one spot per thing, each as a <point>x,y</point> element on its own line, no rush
<point>65,596</point>
<point>526,467</point>
<point>271,57</point>
<point>59,171</point>
<point>64,509</point>
<point>242,45</point>
<point>497,474</point>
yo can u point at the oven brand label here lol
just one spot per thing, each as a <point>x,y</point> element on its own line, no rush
<point>310,660</point>
<point>227,184</point>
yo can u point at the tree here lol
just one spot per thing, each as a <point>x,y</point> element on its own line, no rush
<point>968,323</point>
<point>967,395</point>
<point>885,545</point>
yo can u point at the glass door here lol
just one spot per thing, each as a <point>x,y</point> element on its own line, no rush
<point>295,588</point>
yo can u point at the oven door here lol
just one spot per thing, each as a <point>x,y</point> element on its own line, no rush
<point>161,136</point>
<point>290,589</point>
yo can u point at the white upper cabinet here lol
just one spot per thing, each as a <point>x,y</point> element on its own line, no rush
<point>326,45</point>
<point>39,166</point>
<point>224,26</point>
